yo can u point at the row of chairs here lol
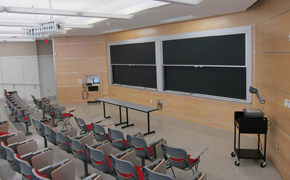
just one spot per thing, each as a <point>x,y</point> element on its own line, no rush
<point>98,155</point>
<point>23,157</point>
<point>20,109</point>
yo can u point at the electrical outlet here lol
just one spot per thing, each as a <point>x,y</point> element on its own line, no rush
<point>211,112</point>
<point>131,97</point>
<point>286,102</point>
<point>69,94</point>
<point>277,146</point>
<point>48,90</point>
<point>166,104</point>
<point>150,100</point>
<point>113,94</point>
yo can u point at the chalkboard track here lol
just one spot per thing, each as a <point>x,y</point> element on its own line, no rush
<point>216,81</point>
<point>144,76</point>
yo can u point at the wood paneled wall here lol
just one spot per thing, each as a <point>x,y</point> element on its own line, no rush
<point>270,69</point>
<point>76,57</point>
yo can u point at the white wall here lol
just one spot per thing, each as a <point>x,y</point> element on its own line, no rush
<point>46,76</point>
<point>20,74</point>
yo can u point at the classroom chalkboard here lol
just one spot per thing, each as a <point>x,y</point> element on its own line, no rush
<point>137,53</point>
<point>216,81</point>
<point>144,76</point>
<point>212,50</point>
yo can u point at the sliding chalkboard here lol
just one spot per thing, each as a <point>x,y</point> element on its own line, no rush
<point>216,81</point>
<point>212,50</point>
<point>138,53</point>
<point>144,76</point>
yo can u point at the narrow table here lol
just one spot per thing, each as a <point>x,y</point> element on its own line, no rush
<point>128,105</point>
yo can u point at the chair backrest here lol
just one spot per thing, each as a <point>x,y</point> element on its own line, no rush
<point>139,145</point>
<point>38,127</point>
<point>99,132</point>
<point>151,175</point>
<point>57,112</point>
<point>10,158</point>
<point>176,157</point>
<point>61,141</point>
<point>25,168</point>
<point>81,124</point>
<point>124,169</point>
<point>78,149</point>
<point>99,160</point>
<point>49,135</point>
<point>38,176</point>
<point>48,109</point>
<point>117,139</point>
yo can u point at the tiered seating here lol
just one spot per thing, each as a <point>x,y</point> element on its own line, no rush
<point>19,108</point>
<point>8,139</point>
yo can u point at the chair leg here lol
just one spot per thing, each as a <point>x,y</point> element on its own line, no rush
<point>27,130</point>
<point>86,170</point>
<point>172,171</point>
<point>45,142</point>
<point>143,162</point>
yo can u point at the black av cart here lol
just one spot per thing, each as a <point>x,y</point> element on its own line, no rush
<point>249,125</point>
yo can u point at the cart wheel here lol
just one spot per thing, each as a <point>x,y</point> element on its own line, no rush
<point>233,154</point>
<point>237,163</point>
<point>263,164</point>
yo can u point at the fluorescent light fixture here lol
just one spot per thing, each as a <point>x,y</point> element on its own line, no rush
<point>104,15</point>
<point>16,40</point>
<point>186,2</point>
<point>79,26</point>
<point>10,32</point>
<point>141,7</point>
<point>16,24</point>
<point>23,10</point>
<point>176,19</point>
<point>111,31</point>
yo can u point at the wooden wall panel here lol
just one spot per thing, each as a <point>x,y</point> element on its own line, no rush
<point>81,64</point>
<point>80,50</point>
<point>273,34</point>
<point>272,68</point>
<point>76,58</point>
<point>79,39</point>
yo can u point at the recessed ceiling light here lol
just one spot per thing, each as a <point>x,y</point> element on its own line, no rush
<point>187,2</point>
<point>141,7</point>
<point>176,19</point>
<point>111,31</point>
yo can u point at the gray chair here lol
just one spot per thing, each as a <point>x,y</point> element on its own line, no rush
<point>100,159</point>
<point>100,133</point>
<point>179,158</point>
<point>59,171</point>
<point>50,112</point>
<point>25,120</point>
<point>142,150</point>
<point>49,134</point>
<point>83,126</point>
<point>151,175</point>
<point>62,140</point>
<point>78,149</point>
<point>62,117</point>
<point>125,170</point>
<point>39,130</point>
<point>117,139</point>
<point>10,138</point>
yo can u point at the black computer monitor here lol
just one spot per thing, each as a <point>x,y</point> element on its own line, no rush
<point>96,80</point>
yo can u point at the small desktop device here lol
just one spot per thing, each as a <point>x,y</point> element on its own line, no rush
<point>96,80</point>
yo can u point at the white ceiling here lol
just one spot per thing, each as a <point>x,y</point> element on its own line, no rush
<point>145,18</point>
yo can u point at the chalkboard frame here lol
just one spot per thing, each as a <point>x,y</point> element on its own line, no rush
<point>247,30</point>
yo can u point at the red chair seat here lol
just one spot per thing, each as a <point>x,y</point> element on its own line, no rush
<point>38,173</point>
<point>25,118</point>
<point>89,127</point>
<point>52,113</point>
<point>3,133</point>
<point>126,142</point>
<point>138,171</point>
<point>108,137</point>
<point>65,115</point>
<point>150,151</point>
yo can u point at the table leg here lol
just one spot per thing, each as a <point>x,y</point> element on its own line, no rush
<point>148,121</point>
<point>104,108</point>
<point>120,112</point>
<point>127,120</point>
